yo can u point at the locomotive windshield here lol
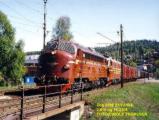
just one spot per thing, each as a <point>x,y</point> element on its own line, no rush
<point>61,45</point>
<point>46,58</point>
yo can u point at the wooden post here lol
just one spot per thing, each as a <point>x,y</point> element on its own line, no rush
<point>71,93</point>
<point>60,96</point>
<point>22,104</point>
<point>44,99</point>
<point>81,91</point>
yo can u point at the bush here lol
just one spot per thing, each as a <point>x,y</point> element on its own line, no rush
<point>157,73</point>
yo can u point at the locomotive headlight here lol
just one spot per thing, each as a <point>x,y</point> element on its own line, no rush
<point>66,67</point>
<point>54,63</point>
<point>53,52</point>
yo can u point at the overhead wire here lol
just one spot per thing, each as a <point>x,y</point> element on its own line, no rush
<point>18,13</point>
<point>26,30</point>
<point>84,36</point>
<point>33,9</point>
<point>106,37</point>
<point>27,6</point>
<point>16,20</point>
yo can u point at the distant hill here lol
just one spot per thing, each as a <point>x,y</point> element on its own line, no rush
<point>135,51</point>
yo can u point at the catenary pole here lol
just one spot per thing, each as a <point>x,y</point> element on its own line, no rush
<point>44,27</point>
<point>121,37</point>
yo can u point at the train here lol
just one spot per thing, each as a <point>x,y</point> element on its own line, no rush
<point>67,62</point>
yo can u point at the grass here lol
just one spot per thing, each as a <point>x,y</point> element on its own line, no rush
<point>144,97</point>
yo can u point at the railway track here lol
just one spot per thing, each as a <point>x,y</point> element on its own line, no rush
<point>13,106</point>
<point>35,104</point>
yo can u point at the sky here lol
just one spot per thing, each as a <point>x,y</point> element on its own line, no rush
<point>140,20</point>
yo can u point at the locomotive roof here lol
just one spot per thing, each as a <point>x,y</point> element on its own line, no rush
<point>88,50</point>
<point>78,46</point>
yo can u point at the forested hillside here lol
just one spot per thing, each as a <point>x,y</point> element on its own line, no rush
<point>135,51</point>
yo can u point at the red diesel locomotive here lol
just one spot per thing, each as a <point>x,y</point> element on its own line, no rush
<point>64,62</point>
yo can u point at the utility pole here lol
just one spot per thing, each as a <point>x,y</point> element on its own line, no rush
<point>44,27</point>
<point>121,37</point>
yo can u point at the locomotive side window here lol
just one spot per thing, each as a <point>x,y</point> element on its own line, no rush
<point>88,56</point>
<point>99,59</point>
<point>94,58</point>
<point>111,63</point>
<point>106,61</point>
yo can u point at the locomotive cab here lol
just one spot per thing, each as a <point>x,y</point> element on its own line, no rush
<point>56,62</point>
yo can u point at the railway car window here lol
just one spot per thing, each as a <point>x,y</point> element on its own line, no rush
<point>99,59</point>
<point>111,63</point>
<point>87,56</point>
<point>96,58</point>
<point>106,62</point>
<point>93,57</point>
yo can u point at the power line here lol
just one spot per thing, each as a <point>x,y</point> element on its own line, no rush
<point>17,12</point>
<point>23,23</point>
<point>33,9</point>
<point>103,44</point>
<point>106,37</point>
<point>17,18</point>
<point>80,34</point>
<point>27,6</point>
<point>24,29</point>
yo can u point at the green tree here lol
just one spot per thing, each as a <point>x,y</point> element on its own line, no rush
<point>12,55</point>
<point>157,68</point>
<point>136,49</point>
<point>62,29</point>
<point>133,64</point>
<point>157,63</point>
